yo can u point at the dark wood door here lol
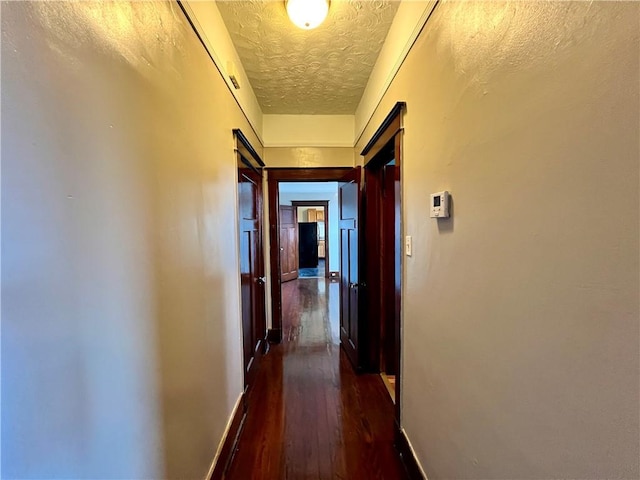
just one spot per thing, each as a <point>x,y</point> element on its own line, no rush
<point>288,243</point>
<point>349,197</point>
<point>252,281</point>
<point>308,244</point>
<point>389,254</point>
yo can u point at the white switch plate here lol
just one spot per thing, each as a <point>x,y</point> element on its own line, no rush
<point>407,245</point>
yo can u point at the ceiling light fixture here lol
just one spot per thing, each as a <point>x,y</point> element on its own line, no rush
<point>307,14</point>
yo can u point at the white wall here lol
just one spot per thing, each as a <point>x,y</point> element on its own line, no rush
<point>323,191</point>
<point>121,344</point>
<point>521,311</point>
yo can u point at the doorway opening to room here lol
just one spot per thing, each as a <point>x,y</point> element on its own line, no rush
<point>384,250</point>
<point>309,253</point>
<point>370,254</point>
<point>384,254</point>
<point>303,218</point>
<point>252,270</point>
<point>314,228</point>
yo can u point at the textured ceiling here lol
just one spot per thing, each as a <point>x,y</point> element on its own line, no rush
<point>319,71</point>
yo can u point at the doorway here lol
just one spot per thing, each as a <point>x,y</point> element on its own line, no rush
<point>286,185</point>
<point>382,176</point>
<point>252,276</point>
<point>384,250</point>
<point>315,229</point>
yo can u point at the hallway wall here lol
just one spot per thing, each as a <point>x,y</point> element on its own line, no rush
<point>521,316</point>
<point>121,342</point>
<point>308,157</point>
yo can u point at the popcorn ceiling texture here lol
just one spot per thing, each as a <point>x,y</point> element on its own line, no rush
<point>320,71</point>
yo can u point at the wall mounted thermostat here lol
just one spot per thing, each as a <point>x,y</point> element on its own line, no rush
<point>439,207</point>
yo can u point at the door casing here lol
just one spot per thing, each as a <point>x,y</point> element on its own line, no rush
<point>251,252</point>
<point>383,292</point>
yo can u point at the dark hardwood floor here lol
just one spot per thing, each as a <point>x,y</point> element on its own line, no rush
<point>310,416</point>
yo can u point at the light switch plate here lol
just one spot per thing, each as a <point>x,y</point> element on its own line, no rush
<point>407,245</point>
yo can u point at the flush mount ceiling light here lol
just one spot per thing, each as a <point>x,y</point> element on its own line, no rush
<point>307,14</point>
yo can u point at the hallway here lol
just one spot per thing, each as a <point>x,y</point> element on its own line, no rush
<point>309,415</point>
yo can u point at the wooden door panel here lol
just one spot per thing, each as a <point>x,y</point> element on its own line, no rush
<point>247,301</point>
<point>350,286</point>
<point>390,250</point>
<point>251,268</point>
<point>288,243</point>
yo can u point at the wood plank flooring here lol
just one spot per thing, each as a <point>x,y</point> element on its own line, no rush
<point>310,416</point>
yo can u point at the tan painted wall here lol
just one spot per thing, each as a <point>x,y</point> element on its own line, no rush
<point>308,131</point>
<point>121,345</point>
<point>521,317</point>
<point>309,157</point>
<point>207,19</point>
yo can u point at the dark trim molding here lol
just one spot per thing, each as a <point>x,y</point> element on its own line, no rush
<point>274,335</point>
<point>406,455</point>
<point>384,146</point>
<point>230,441</point>
<point>246,149</point>
<point>319,174</point>
<point>395,111</point>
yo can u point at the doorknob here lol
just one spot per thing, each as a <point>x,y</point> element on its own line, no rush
<point>261,280</point>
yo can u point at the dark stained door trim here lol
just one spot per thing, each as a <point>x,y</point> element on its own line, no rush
<point>385,144</point>
<point>251,253</point>
<point>389,127</point>
<point>274,177</point>
<point>244,148</point>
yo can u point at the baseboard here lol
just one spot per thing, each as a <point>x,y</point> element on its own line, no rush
<point>229,441</point>
<point>408,456</point>
<point>274,335</point>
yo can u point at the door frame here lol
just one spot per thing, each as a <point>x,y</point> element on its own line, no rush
<point>386,139</point>
<point>249,163</point>
<point>274,177</point>
<point>325,205</point>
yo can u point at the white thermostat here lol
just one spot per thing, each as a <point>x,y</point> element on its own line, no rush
<point>439,205</point>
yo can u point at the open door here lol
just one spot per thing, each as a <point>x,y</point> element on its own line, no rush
<point>349,202</point>
<point>252,276</point>
<point>288,243</point>
<point>252,280</point>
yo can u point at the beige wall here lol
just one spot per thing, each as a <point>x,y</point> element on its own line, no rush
<point>521,318</point>
<point>309,157</point>
<point>308,130</point>
<point>405,28</point>
<point>208,21</point>
<point>121,345</point>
